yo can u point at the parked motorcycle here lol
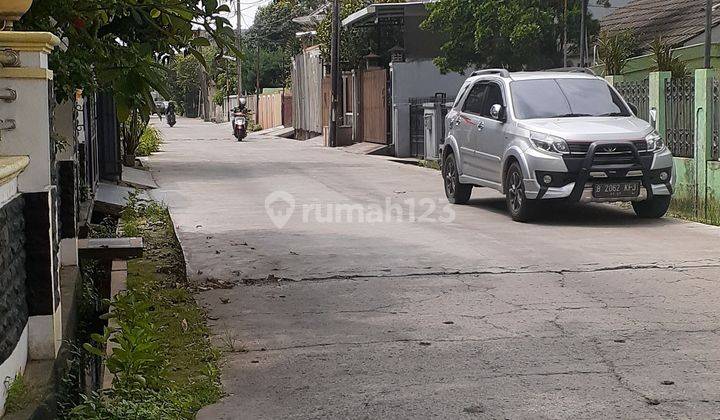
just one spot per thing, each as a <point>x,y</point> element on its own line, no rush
<point>170,114</point>
<point>239,121</point>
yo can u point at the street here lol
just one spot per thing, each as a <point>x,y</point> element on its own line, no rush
<point>360,293</point>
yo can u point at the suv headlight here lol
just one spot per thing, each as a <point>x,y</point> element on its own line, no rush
<point>654,142</point>
<point>549,143</point>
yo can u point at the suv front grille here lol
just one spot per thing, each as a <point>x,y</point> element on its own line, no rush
<point>581,148</point>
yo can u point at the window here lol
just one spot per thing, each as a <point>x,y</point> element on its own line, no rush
<point>474,101</point>
<point>569,97</point>
<point>493,96</point>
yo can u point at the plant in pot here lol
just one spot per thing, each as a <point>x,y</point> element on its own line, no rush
<point>130,131</point>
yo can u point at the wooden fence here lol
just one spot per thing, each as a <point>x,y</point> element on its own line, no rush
<point>269,109</point>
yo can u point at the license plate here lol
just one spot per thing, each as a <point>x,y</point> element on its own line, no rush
<point>616,190</point>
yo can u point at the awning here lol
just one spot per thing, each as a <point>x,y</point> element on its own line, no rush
<point>383,13</point>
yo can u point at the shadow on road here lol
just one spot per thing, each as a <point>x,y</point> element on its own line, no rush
<point>569,214</point>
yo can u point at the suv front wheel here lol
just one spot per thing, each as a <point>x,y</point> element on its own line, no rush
<point>653,208</point>
<point>520,207</point>
<point>455,192</point>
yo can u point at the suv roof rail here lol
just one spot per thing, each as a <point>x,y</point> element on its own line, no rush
<point>574,70</point>
<point>501,72</point>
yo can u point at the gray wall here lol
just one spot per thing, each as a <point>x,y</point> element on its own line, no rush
<point>412,80</point>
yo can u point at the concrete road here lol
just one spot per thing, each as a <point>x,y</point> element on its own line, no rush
<point>367,296</point>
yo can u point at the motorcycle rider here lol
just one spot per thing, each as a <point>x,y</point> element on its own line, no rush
<point>170,114</point>
<point>239,112</point>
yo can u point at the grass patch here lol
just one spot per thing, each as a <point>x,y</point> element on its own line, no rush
<point>150,141</point>
<point>18,395</point>
<point>432,164</point>
<point>163,364</point>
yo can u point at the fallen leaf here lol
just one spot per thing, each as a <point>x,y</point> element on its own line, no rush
<point>184,324</point>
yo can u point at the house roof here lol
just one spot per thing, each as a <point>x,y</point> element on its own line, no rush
<point>375,13</point>
<point>311,20</point>
<point>676,21</point>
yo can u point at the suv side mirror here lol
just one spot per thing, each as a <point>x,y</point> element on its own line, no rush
<point>497,112</point>
<point>633,108</point>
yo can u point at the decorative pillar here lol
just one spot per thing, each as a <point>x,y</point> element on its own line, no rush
<point>27,119</point>
<point>656,82</point>
<point>703,134</point>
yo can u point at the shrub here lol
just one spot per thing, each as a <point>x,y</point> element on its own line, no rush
<point>149,141</point>
<point>614,51</point>
<point>665,61</point>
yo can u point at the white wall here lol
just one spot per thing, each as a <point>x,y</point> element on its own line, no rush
<point>411,80</point>
<point>12,366</point>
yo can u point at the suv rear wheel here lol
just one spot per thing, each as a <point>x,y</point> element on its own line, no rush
<point>455,192</point>
<point>653,208</point>
<point>520,207</point>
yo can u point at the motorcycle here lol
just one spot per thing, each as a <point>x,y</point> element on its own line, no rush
<point>239,125</point>
<point>170,114</point>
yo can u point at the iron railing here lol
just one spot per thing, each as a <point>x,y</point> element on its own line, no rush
<point>680,116</point>
<point>636,92</point>
<point>715,145</point>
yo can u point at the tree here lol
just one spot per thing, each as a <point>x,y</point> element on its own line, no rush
<point>273,31</point>
<point>123,46</point>
<point>355,43</point>
<point>514,34</point>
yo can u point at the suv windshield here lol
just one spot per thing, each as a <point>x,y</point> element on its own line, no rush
<point>571,97</point>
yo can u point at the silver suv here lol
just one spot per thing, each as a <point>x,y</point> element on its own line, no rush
<point>549,136</point>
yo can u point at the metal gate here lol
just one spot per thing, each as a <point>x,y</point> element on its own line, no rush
<point>636,92</point>
<point>680,116</point>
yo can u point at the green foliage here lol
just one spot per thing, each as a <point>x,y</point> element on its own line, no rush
<point>122,46</point>
<point>666,61</point>
<point>149,141</point>
<point>133,403</point>
<point>131,130</point>
<point>614,51</point>
<point>163,364</point>
<point>513,34</point>
<point>355,43</point>
<point>18,394</point>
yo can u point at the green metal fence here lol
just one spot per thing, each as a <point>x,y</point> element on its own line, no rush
<point>680,116</point>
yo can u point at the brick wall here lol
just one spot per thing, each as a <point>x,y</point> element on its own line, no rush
<point>13,303</point>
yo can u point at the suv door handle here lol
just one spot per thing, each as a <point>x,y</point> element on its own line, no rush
<point>480,126</point>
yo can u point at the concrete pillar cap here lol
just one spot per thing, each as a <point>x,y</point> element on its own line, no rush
<point>29,41</point>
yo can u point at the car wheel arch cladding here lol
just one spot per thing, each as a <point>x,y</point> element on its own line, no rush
<point>513,156</point>
<point>451,147</point>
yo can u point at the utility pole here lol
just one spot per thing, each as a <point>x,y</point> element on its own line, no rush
<point>565,35</point>
<point>238,43</point>
<point>257,84</point>
<point>334,70</point>
<point>708,31</point>
<point>583,33</point>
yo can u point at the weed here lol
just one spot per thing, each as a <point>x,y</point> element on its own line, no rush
<point>432,164</point>
<point>18,394</point>
<point>231,342</point>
